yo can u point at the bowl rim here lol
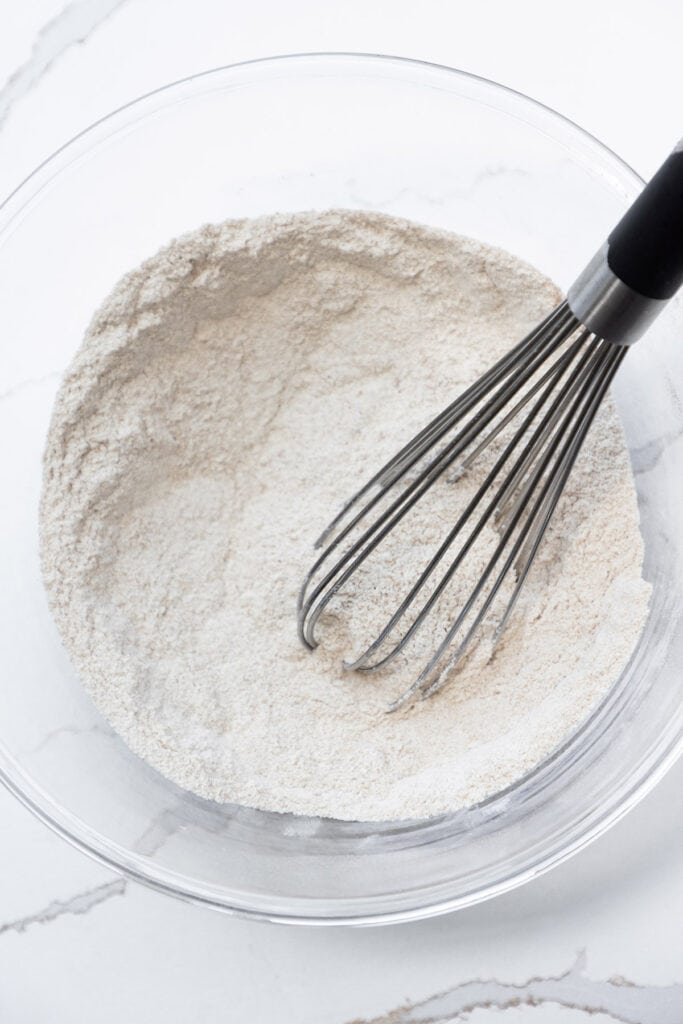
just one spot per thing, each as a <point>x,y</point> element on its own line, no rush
<point>78,834</point>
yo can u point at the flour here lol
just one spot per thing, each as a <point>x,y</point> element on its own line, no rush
<point>228,396</point>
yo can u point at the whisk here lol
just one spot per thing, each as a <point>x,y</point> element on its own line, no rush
<point>531,413</point>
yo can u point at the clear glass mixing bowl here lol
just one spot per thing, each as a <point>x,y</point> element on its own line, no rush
<point>295,133</point>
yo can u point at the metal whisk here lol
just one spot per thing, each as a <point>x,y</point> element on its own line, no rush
<point>530,413</point>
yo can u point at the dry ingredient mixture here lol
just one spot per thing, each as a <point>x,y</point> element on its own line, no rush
<point>228,396</point>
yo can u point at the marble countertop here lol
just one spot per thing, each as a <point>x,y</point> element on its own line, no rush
<point>599,938</point>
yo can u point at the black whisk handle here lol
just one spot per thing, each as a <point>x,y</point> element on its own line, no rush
<point>629,281</point>
<point>645,249</point>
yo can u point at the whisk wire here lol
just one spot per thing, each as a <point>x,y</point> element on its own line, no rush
<point>432,433</point>
<point>464,403</point>
<point>551,500</point>
<point>581,416</point>
<point>558,369</point>
<point>356,554</point>
<point>557,404</point>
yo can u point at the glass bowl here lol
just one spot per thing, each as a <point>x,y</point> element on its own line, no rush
<point>293,133</point>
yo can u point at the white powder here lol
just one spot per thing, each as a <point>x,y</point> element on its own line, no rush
<point>229,395</point>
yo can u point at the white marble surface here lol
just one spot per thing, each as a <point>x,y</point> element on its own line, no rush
<point>600,938</point>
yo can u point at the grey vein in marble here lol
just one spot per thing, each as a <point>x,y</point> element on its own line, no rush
<point>615,998</point>
<point>194,813</point>
<point>74,24</point>
<point>161,828</point>
<point>72,730</point>
<point>29,382</point>
<point>458,192</point>
<point>647,457</point>
<point>79,904</point>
